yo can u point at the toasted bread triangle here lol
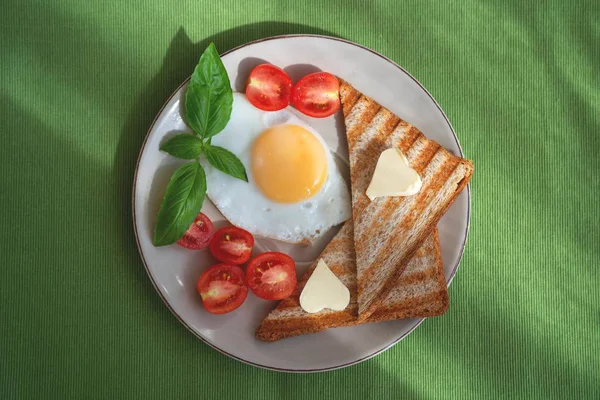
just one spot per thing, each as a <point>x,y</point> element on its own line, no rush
<point>410,271</point>
<point>388,231</point>
<point>421,292</point>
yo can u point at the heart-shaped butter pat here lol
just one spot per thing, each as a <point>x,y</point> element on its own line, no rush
<point>324,290</point>
<point>393,176</point>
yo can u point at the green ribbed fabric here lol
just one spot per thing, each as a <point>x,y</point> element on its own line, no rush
<point>80,83</point>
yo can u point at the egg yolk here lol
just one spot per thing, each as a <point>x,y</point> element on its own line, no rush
<point>288,163</point>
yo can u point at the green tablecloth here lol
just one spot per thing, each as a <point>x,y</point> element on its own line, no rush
<point>81,82</point>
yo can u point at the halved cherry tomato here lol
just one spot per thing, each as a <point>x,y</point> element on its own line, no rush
<point>269,88</point>
<point>272,276</point>
<point>198,235</point>
<point>317,95</point>
<point>222,288</point>
<point>232,245</point>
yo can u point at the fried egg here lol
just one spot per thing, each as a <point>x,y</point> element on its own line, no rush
<point>294,192</point>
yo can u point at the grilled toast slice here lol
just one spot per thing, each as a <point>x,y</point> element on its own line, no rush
<point>388,231</point>
<point>420,292</point>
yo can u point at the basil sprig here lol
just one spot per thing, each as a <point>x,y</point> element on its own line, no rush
<point>209,97</point>
<point>225,161</point>
<point>183,200</point>
<point>208,103</point>
<point>184,146</point>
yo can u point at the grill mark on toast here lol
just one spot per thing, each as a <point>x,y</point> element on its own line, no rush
<point>412,291</point>
<point>359,196</point>
<point>351,96</point>
<point>348,96</point>
<point>388,265</point>
<point>412,134</point>
<point>336,242</point>
<point>362,179</point>
<point>341,271</point>
<point>377,128</point>
<point>413,277</point>
<point>426,261</point>
<point>339,242</point>
<point>363,111</point>
<point>315,322</point>
<point>364,156</point>
<point>431,304</point>
<point>384,208</point>
<point>420,155</point>
<point>300,317</point>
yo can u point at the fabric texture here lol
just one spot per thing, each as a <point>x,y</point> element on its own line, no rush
<point>81,82</point>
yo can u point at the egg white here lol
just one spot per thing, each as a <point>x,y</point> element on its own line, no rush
<point>244,205</point>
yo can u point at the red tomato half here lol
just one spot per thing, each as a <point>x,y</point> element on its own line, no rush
<point>232,245</point>
<point>269,88</point>
<point>272,276</point>
<point>198,235</point>
<point>222,288</point>
<point>317,95</point>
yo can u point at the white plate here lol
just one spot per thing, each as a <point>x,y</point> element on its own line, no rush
<point>174,271</point>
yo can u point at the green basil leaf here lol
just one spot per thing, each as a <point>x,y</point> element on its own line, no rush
<point>209,97</point>
<point>181,204</point>
<point>186,147</point>
<point>225,161</point>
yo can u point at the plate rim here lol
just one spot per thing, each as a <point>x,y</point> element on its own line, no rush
<point>166,302</point>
